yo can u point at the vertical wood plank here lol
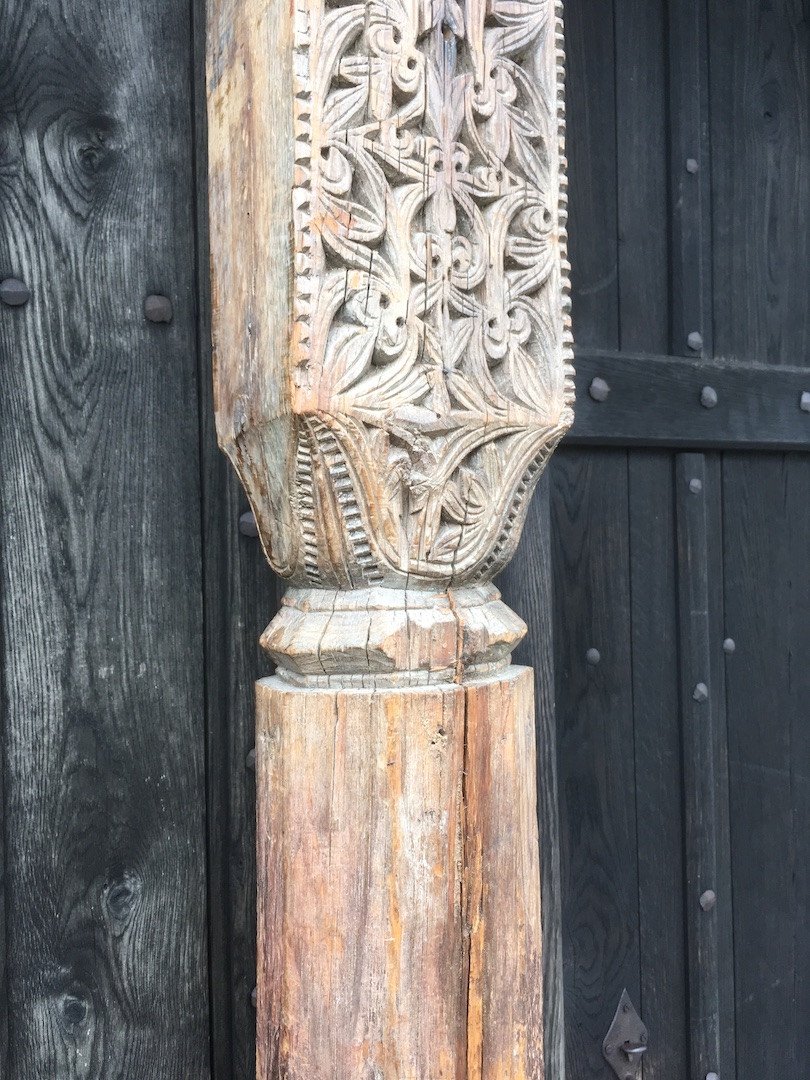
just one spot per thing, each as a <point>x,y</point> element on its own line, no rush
<point>4,1048</point>
<point>99,548</point>
<point>766,502</point>
<point>717,673</point>
<point>708,895</point>
<point>691,179</point>
<point>642,163</point>
<point>698,718</point>
<point>595,746</point>
<point>658,774</point>
<point>760,85</point>
<point>240,598</point>
<point>526,584</point>
<point>591,150</point>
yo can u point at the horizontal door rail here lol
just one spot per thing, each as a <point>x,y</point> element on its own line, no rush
<point>631,399</point>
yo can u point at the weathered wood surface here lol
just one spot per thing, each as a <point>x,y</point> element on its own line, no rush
<point>657,764</point>
<point>390,417</point>
<point>527,587</point>
<point>400,930</point>
<point>392,373</point>
<point>655,400</point>
<point>702,697</point>
<point>99,550</point>
<point>595,739</point>
<point>760,177</point>
<point>767,613</point>
<point>238,591</point>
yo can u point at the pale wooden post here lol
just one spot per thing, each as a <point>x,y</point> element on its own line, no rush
<point>392,352</point>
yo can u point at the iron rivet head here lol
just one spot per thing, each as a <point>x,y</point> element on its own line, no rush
<point>692,165</point>
<point>708,899</point>
<point>695,341</point>
<point>695,485</point>
<point>608,1049</point>
<point>708,397</point>
<point>593,656</point>
<point>701,692</point>
<point>250,760</point>
<point>14,292</point>
<point>599,389</point>
<point>247,524</point>
<point>253,996</point>
<point>158,309</point>
<point>804,401</point>
<point>729,645</point>
<point>625,1008</point>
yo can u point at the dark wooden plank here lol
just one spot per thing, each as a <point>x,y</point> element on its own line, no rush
<point>760,86</point>
<point>99,547</point>
<point>591,151</point>
<point>527,588</point>
<point>4,1064</point>
<point>697,496</point>
<point>656,401</point>
<point>690,210</point>
<point>240,598</point>
<point>658,777</point>
<point>767,514</point>
<point>642,163</point>
<point>717,676</point>
<point>595,748</point>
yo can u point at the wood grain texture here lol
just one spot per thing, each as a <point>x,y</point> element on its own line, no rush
<point>656,401</point>
<point>657,761</point>
<point>399,927</point>
<point>99,569</point>
<point>704,758</point>
<point>690,212</point>
<point>240,591</point>
<point>526,584</point>
<point>641,170</point>
<point>765,503</point>
<point>591,111</point>
<point>760,90</point>
<point>390,416</point>
<point>595,745</point>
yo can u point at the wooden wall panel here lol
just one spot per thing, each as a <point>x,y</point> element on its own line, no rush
<point>591,151</point>
<point>760,90</point>
<point>526,585</point>
<point>642,167</point>
<point>595,745</point>
<point>657,760</point>
<point>767,523</point>
<point>102,657</point>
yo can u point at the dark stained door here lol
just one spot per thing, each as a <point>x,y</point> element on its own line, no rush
<point>680,524</point>
<point>103,961</point>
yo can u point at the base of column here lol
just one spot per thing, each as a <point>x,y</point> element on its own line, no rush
<point>399,882</point>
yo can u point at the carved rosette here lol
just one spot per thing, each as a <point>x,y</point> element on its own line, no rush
<point>429,359</point>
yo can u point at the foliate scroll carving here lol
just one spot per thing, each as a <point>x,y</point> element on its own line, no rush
<point>431,344</point>
<point>431,339</point>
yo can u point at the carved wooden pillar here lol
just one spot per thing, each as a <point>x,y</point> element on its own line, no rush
<point>392,353</point>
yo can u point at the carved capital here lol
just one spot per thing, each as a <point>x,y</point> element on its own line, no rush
<point>392,413</point>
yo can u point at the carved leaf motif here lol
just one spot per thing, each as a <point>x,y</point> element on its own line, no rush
<point>428,268</point>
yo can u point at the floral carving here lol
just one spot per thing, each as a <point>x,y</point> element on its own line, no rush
<point>431,340</point>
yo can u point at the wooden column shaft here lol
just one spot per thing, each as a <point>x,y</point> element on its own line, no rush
<point>400,931</point>
<point>393,371</point>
